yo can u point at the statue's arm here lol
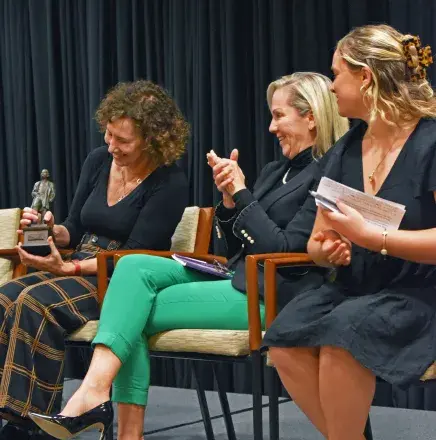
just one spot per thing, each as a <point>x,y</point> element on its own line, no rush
<point>52,193</point>
<point>35,189</point>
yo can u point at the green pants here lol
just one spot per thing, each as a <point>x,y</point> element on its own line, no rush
<point>148,295</point>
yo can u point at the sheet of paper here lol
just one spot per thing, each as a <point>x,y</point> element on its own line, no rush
<point>375,210</point>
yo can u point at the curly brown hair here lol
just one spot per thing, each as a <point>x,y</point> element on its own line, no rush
<point>154,112</point>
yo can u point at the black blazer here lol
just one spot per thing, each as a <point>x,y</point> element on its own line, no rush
<point>273,220</point>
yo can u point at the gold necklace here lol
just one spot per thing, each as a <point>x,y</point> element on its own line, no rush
<point>371,175</point>
<point>137,183</point>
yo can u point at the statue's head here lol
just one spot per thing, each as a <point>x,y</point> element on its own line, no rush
<point>45,174</point>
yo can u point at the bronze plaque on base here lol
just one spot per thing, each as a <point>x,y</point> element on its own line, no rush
<point>35,239</point>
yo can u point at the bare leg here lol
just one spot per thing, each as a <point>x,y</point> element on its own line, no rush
<point>298,369</point>
<point>96,385</point>
<point>346,391</point>
<point>130,421</point>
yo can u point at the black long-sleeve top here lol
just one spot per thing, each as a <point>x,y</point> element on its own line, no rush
<point>146,218</point>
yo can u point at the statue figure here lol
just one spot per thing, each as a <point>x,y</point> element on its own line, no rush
<point>43,194</point>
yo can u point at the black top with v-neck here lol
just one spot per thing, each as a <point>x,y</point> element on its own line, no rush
<point>410,182</point>
<point>145,218</point>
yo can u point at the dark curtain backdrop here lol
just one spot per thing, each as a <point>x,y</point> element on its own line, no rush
<point>216,57</point>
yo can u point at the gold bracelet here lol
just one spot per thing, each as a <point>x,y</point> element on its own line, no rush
<point>384,251</point>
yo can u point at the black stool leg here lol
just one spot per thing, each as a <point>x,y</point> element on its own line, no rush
<point>203,403</point>
<point>224,404</point>
<point>273,394</point>
<point>257,395</point>
<point>368,430</point>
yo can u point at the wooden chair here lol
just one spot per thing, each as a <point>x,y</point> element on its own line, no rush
<point>10,266</point>
<point>271,264</point>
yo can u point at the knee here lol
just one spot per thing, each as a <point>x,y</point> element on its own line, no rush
<point>132,262</point>
<point>330,355</point>
<point>33,296</point>
<point>292,358</point>
<point>282,357</point>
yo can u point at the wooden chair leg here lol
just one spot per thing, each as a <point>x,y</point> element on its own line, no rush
<point>273,394</point>
<point>224,403</point>
<point>368,430</point>
<point>257,365</point>
<point>204,408</point>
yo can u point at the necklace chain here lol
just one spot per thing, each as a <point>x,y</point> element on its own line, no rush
<point>371,175</point>
<point>137,183</point>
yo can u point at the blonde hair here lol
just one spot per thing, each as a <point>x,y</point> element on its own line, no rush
<point>310,92</point>
<point>394,90</point>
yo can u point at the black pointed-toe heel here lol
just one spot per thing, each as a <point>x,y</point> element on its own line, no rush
<point>65,428</point>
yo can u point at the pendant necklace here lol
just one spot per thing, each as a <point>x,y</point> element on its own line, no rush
<point>371,175</point>
<point>286,176</point>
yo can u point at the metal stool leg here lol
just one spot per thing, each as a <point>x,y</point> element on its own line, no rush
<point>224,404</point>
<point>273,393</point>
<point>203,403</point>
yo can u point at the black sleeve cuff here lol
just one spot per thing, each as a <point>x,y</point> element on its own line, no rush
<point>224,214</point>
<point>242,199</point>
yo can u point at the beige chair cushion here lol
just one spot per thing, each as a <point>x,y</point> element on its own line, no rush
<point>185,234</point>
<point>9,222</point>
<point>222,342</point>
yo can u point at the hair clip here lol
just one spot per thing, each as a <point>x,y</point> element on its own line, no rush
<point>423,57</point>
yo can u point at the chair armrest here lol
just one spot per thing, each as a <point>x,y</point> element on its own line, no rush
<point>252,289</point>
<point>9,254</point>
<point>102,259</point>
<point>271,266</point>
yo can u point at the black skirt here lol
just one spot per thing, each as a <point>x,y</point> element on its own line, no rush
<point>392,333</point>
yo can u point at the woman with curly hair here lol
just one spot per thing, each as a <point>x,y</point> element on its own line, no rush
<point>121,202</point>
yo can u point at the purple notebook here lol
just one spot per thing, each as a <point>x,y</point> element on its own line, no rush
<point>215,268</point>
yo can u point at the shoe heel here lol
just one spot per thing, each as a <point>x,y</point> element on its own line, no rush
<point>104,433</point>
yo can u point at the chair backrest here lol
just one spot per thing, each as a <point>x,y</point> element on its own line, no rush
<point>9,222</point>
<point>194,230</point>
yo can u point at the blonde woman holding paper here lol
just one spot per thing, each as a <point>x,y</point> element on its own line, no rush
<point>378,318</point>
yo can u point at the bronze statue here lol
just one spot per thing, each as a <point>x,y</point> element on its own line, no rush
<point>43,194</point>
<point>35,235</point>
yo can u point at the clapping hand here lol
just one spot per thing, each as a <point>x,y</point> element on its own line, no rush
<point>227,175</point>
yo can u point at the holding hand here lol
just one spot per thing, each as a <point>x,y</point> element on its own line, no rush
<point>51,263</point>
<point>351,224</point>
<point>334,248</point>
<point>31,216</point>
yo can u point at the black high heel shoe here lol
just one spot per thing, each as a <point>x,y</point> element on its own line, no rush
<point>65,428</point>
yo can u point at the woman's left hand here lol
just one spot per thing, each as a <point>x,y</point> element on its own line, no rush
<point>351,224</point>
<point>51,263</point>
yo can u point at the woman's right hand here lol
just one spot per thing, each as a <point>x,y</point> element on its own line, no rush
<point>212,160</point>
<point>335,249</point>
<point>31,216</point>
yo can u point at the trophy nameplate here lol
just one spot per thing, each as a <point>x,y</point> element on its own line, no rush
<point>35,239</point>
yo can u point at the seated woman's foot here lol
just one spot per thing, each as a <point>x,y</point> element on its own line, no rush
<point>83,401</point>
<point>66,427</point>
